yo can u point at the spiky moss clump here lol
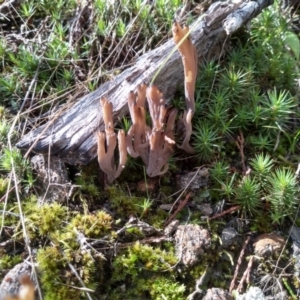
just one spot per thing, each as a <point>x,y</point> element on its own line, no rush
<point>251,108</point>
<point>219,171</point>
<point>146,271</point>
<point>262,116</point>
<point>248,195</point>
<point>266,183</point>
<point>249,96</point>
<point>36,8</point>
<point>27,60</point>
<point>283,194</point>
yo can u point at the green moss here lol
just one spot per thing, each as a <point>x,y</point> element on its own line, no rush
<point>124,204</point>
<point>8,261</point>
<point>54,274</point>
<point>157,218</point>
<point>148,270</point>
<point>43,220</point>
<point>60,231</point>
<point>91,225</point>
<point>142,258</point>
<point>87,180</point>
<point>55,261</point>
<point>3,186</point>
<point>161,288</point>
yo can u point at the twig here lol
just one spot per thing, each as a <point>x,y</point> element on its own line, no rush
<point>179,208</point>
<point>9,3</point>
<point>22,219</point>
<point>149,240</point>
<point>298,170</point>
<point>85,289</point>
<point>240,142</point>
<point>198,284</point>
<point>9,213</point>
<point>246,275</point>
<point>196,174</point>
<point>140,225</point>
<point>7,243</point>
<point>33,81</point>
<point>287,239</point>
<point>277,141</point>
<point>225,212</point>
<point>239,262</point>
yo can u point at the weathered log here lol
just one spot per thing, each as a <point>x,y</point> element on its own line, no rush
<point>71,135</point>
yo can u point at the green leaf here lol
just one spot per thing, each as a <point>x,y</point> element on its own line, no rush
<point>292,41</point>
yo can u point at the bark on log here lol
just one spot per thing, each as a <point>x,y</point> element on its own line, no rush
<point>71,134</point>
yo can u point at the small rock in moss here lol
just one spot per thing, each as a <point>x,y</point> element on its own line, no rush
<point>191,241</point>
<point>217,294</point>
<point>268,243</point>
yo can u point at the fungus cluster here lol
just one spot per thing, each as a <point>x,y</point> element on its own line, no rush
<point>154,144</point>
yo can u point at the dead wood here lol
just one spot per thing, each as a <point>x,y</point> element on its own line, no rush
<point>72,134</point>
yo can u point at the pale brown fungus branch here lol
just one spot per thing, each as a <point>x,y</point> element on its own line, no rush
<point>161,138</point>
<point>107,142</point>
<point>136,139</point>
<point>189,57</point>
<point>187,122</point>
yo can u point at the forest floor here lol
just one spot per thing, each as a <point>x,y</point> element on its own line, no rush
<point>220,221</point>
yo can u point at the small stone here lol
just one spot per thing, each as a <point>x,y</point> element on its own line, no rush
<point>295,236</point>
<point>229,236</point>
<point>147,186</point>
<point>171,228</point>
<point>194,180</point>
<point>191,240</point>
<point>217,294</point>
<point>205,209</point>
<point>268,243</point>
<point>254,293</point>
